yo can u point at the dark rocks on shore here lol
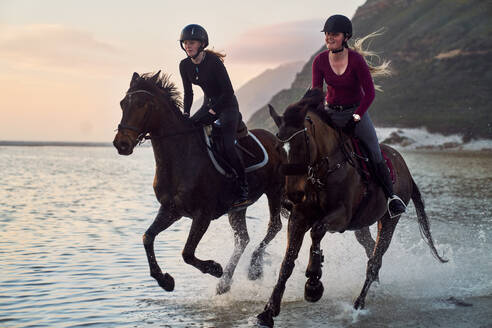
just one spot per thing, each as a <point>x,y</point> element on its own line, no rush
<point>395,138</point>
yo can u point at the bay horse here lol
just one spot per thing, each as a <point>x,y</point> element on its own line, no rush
<point>186,182</point>
<point>330,194</point>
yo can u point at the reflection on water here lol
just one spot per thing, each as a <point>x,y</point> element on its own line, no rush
<point>71,220</point>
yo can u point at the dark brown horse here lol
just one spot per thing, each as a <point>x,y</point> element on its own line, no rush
<point>329,194</point>
<point>187,183</point>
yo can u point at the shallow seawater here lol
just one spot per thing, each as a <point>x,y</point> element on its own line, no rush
<point>71,221</point>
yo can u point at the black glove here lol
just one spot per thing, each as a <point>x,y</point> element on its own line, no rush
<point>203,116</point>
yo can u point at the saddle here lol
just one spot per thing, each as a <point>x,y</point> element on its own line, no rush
<point>360,153</point>
<point>249,148</point>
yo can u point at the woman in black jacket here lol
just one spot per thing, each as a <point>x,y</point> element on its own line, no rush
<point>206,69</point>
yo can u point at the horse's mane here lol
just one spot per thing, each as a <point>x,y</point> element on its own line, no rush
<point>160,86</point>
<point>294,115</point>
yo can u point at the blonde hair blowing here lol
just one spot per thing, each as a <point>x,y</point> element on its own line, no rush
<point>220,54</point>
<point>376,70</point>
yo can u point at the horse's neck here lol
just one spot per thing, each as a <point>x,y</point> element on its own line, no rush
<point>177,153</point>
<point>327,139</point>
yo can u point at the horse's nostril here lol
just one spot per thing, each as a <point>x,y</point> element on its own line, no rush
<point>124,145</point>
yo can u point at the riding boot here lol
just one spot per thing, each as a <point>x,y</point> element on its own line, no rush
<point>242,200</point>
<point>395,205</point>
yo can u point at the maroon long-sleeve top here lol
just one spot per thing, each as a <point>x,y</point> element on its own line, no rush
<point>354,86</point>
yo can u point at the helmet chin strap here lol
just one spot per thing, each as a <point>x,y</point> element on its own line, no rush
<point>344,45</point>
<point>197,53</point>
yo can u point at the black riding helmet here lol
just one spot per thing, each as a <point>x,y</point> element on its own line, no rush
<point>339,24</point>
<point>194,32</point>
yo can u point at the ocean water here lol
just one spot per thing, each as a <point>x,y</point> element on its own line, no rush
<point>71,221</point>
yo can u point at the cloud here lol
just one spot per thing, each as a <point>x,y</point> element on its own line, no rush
<point>49,47</point>
<point>279,43</point>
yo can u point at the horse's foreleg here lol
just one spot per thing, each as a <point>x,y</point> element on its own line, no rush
<point>237,220</point>
<point>162,221</point>
<point>313,290</point>
<point>198,228</point>
<point>274,226</point>
<point>296,230</point>
<point>386,228</point>
<point>364,238</point>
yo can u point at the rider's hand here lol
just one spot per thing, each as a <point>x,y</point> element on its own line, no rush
<point>186,114</point>
<point>356,117</point>
<point>211,111</point>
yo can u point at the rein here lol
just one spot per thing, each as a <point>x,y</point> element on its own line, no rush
<point>313,169</point>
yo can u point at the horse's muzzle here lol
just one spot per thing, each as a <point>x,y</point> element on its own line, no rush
<point>123,144</point>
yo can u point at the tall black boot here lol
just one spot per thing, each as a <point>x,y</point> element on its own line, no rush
<point>242,200</point>
<point>395,205</point>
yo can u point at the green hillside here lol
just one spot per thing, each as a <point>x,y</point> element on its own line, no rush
<point>440,52</point>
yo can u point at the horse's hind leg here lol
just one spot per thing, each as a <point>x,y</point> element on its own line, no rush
<point>198,228</point>
<point>386,228</point>
<point>237,220</point>
<point>274,226</point>
<point>364,238</point>
<point>162,221</point>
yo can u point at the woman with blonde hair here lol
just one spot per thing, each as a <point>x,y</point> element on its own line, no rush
<point>350,92</point>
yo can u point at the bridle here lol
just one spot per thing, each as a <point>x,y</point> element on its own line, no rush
<point>142,134</point>
<point>313,169</point>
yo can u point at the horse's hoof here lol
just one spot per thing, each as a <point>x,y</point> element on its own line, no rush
<point>359,304</point>
<point>166,281</point>
<point>223,287</point>
<point>213,268</point>
<point>313,290</point>
<point>264,319</point>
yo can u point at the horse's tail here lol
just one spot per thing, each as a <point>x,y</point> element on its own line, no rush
<point>424,224</point>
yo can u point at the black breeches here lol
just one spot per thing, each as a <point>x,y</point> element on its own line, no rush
<point>229,120</point>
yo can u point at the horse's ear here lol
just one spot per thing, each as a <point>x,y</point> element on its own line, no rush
<point>307,93</point>
<point>155,77</point>
<point>313,96</point>
<point>276,118</point>
<point>134,80</point>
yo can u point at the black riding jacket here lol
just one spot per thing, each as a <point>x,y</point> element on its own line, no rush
<point>211,75</point>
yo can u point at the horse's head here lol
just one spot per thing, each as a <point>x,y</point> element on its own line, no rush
<point>297,134</point>
<point>141,112</point>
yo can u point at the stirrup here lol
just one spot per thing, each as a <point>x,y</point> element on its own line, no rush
<point>392,198</point>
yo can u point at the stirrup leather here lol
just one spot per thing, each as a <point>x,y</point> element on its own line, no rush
<point>396,198</point>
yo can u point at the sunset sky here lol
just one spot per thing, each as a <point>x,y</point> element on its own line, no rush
<point>66,64</point>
